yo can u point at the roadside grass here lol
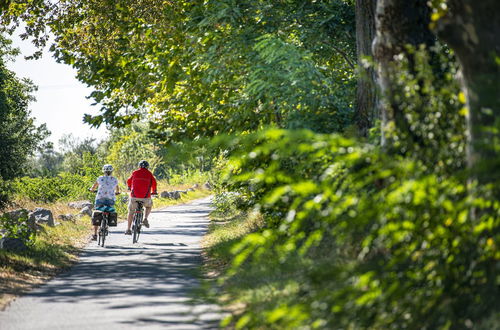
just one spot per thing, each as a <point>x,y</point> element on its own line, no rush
<point>224,231</point>
<point>163,185</point>
<point>249,285</point>
<point>159,202</point>
<point>55,249</point>
<point>256,289</point>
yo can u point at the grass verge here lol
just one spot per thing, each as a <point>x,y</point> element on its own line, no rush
<point>253,293</point>
<point>191,195</point>
<point>224,233</point>
<point>55,249</point>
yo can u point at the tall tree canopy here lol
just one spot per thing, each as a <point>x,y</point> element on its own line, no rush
<point>197,68</point>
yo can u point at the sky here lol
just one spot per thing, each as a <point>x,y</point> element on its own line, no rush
<point>61,99</point>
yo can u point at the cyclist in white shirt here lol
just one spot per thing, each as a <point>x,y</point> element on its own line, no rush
<point>107,188</point>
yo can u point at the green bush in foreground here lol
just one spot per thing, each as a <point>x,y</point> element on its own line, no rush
<point>356,238</point>
<point>17,228</point>
<point>65,186</point>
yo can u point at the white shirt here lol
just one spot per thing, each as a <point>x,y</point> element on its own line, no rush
<point>107,185</point>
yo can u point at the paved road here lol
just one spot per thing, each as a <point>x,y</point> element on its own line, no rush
<point>147,285</point>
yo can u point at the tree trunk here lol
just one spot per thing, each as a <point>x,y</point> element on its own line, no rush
<point>398,23</point>
<point>472,29</point>
<point>366,97</point>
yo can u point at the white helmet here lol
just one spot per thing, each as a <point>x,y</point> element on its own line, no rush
<point>107,168</point>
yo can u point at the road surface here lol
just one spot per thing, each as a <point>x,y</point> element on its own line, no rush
<point>148,285</point>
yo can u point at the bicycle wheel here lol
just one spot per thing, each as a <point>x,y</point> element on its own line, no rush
<point>136,228</point>
<point>102,230</point>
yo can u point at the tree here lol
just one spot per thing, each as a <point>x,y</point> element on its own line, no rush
<point>127,146</point>
<point>398,24</point>
<point>472,29</point>
<point>19,135</point>
<point>74,152</point>
<point>366,95</point>
<point>199,68</point>
<point>47,161</point>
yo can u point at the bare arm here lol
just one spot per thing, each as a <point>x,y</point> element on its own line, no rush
<point>153,185</point>
<point>94,187</point>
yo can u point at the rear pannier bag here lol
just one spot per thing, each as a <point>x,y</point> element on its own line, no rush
<point>96,218</point>
<point>113,219</point>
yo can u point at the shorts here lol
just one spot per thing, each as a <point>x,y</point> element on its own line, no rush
<point>132,204</point>
<point>104,202</point>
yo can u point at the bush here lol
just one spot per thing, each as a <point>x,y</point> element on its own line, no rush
<point>5,193</point>
<point>17,228</point>
<point>188,176</point>
<point>227,202</point>
<point>368,240</point>
<point>65,186</point>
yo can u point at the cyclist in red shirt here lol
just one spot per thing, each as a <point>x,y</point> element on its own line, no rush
<point>141,184</point>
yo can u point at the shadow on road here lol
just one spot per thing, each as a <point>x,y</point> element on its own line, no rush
<point>150,278</point>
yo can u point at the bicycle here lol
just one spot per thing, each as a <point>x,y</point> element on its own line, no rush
<point>103,228</point>
<point>106,221</point>
<point>137,222</point>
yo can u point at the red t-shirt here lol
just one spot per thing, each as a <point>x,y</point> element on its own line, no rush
<point>142,182</point>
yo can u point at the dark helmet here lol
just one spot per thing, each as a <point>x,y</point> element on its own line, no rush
<point>143,164</point>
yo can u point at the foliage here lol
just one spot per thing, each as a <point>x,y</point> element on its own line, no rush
<point>77,153</point>
<point>65,186</point>
<point>179,162</point>
<point>404,251</point>
<point>227,202</point>
<point>5,193</point>
<point>434,112</point>
<point>192,67</point>
<point>226,230</point>
<point>49,189</point>
<point>71,157</point>
<point>128,146</point>
<point>47,161</point>
<point>188,176</point>
<point>352,236</point>
<point>19,135</point>
<point>17,228</point>
<point>187,156</point>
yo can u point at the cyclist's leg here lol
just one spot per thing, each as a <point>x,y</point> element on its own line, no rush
<point>130,217</point>
<point>148,211</point>
<point>145,220</point>
<point>148,204</point>
<point>94,237</point>
<point>132,205</point>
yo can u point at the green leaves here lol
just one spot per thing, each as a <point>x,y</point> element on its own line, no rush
<point>17,227</point>
<point>378,240</point>
<point>19,136</point>
<point>201,68</point>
